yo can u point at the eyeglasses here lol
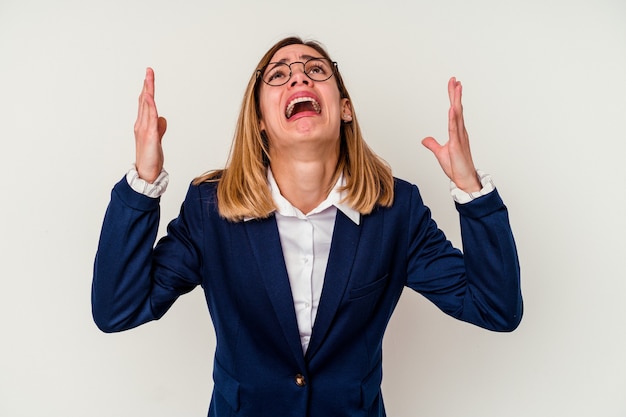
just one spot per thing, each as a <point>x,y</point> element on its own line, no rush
<point>279,73</point>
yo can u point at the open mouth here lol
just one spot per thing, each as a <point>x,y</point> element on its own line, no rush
<point>302,104</point>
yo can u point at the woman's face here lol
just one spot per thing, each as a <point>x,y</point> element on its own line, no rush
<point>301,111</point>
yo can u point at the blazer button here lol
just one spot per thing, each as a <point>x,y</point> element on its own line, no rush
<point>300,381</point>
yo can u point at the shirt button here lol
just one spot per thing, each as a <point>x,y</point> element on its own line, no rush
<point>300,381</point>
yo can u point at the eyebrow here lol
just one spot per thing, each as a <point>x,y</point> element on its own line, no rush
<point>305,57</point>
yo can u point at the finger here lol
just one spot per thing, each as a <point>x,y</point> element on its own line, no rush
<point>150,81</point>
<point>152,113</point>
<point>148,115</point>
<point>453,125</point>
<point>147,112</point>
<point>452,83</point>
<point>431,144</point>
<point>458,111</point>
<point>161,126</point>
<point>148,84</point>
<point>140,100</point>
<point>458,93</point>
<point>143,105</point>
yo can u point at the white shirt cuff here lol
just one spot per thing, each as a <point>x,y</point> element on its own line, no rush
<point>153,190</point>
<point>462,197</point>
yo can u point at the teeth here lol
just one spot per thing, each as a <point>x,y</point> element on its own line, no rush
<point>292,105</point>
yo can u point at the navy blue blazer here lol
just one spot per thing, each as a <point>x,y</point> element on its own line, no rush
<point>259,367</point>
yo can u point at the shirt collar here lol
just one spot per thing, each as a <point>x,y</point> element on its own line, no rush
<point>334,198</point>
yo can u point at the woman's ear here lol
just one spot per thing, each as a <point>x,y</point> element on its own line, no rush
<point>346,110</point>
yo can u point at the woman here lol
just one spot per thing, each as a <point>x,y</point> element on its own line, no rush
<point>302,245</point>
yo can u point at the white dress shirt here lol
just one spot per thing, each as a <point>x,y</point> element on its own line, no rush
<point>305,240</point>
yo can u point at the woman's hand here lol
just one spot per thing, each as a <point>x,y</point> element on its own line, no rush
<point>454,156</point>
<point>149,131</point>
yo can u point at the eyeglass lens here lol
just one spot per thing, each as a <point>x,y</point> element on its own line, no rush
<point>279,73</point>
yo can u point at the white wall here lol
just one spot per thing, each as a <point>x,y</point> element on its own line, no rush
<point>545,107</point>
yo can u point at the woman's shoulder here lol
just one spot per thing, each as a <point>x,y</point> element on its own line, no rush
<point>202,195</point>
<point>403,189</point>
<point>207,182</point>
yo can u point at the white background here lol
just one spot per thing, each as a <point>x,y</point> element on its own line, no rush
<point>544,93</point>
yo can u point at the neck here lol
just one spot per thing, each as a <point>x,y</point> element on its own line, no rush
<point>305,183</point>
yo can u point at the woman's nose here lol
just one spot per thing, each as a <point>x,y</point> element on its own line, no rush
<point>298,75</point>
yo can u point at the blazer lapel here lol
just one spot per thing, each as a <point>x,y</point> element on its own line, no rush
<point>265,242</point>
<point>346,236</point>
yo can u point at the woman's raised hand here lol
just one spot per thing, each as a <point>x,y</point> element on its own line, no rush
<point>149,131</point>
<point>454,156</point>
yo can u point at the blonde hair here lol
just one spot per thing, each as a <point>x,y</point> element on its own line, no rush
<point>242,189</point>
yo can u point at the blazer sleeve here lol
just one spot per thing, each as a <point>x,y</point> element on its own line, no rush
<point>132,284</point>
<point>480,285</point>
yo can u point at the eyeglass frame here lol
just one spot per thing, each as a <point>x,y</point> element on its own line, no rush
<point>334,66</point>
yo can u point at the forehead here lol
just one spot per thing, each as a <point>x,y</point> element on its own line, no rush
<point>291,53</point>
